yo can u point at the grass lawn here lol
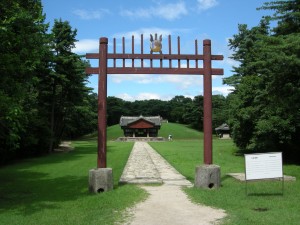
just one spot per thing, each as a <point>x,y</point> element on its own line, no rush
<point>54,189</point>
<point>179,131</point>
<point>264,203</point>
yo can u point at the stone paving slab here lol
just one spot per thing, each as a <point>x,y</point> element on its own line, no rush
<point>145,166</point>
<point>241,177</point>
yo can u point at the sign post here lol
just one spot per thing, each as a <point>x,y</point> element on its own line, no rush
<point>263,166</point>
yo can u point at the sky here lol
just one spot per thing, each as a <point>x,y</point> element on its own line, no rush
<point>216,20</point>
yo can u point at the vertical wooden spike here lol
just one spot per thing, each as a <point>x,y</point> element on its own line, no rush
<point>123,50</point>
<point>151,63</point>
<point>161,61</point>
<point>170,51</point>
<point>132,43</point>
<point>196,51</point>
<point>142,49</point>
<point>178,46</point>
<point>114,51</point>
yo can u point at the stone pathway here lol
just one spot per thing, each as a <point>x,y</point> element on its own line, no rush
<point>146,166</point>
<point>167,203</point>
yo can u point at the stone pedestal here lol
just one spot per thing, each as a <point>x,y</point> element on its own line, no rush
<point>101,180</point>
<point>208,176</point>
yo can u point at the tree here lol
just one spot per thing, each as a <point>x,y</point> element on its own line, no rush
<point>193,113</point>
<point>82,118</point>
<point>64,89</point>
<point>177,108</point>
<point>219,110</point>
<point>264,107</point>
<point>287,13</point>
<point>115,109</point>
<point>23,48</point>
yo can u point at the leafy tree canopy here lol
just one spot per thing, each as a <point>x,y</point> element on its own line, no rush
<point>264,108</point>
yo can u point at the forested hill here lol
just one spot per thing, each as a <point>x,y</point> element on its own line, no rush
<point>179,109</point>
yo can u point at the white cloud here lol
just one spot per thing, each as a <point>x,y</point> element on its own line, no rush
<point>139,13</point>
<point>206,4</point>
<point>126,97</point>
<point>91,14</point>
<point>148,96</point>
<point>169,11</point>
<point>86,45</point>
<point>136,78</point>
<point>140,96</point>
<point>146,33</point>
<point>223,90</point>
<point>181,82</point>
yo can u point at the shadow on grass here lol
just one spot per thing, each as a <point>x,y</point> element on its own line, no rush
<point>225,177</point>
<point>36,184</point>
<point>265,194</point>
<point>30,192</point>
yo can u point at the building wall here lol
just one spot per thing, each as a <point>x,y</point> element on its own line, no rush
<point>129,132</point>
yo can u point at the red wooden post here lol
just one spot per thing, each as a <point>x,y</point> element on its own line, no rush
<point>102,93</point>
<point>207,104</point>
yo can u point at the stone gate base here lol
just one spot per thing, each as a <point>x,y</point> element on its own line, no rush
<point>208,176</point>
<point>101,180</point>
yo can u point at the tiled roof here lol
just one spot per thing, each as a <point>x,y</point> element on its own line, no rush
<point>224,126</point>
<point>125,120</point>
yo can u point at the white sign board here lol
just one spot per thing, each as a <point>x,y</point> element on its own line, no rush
<point>263,166</point>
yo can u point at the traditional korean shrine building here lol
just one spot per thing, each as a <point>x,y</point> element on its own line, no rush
<point>223,131</point>
<point>141,126</point>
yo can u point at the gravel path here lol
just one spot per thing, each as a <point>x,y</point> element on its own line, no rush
<point>167,203</point>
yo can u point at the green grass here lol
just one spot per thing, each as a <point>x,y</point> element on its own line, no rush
<point>54,189</point>
<point>241,208</point>
<point>179,131</point>
<point>113,132</point>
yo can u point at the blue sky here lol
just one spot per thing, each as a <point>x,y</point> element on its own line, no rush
<point>216,20</point>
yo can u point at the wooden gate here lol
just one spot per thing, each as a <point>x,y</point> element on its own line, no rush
<point>169,69</point>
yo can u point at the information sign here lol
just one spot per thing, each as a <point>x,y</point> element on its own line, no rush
<point>263,166</point>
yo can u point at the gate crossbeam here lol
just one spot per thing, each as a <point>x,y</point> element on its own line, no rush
<point>153,56</point>
<point>170,71</point>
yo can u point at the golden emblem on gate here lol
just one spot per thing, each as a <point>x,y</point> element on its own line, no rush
<point>155,44</point>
